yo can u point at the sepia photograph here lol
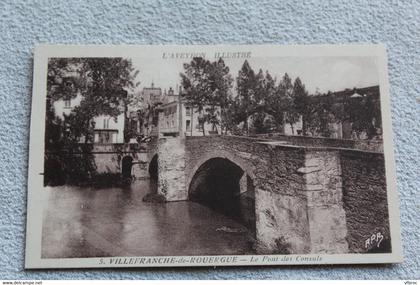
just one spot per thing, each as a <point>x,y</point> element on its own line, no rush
<point>210,155</point>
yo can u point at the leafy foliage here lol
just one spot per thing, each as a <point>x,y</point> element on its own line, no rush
<point>319,115</point>
<point>207,86</point>
<point>102,84</point>
<point>245,103</point>
<point>301,103</point>
<point>363,114</point>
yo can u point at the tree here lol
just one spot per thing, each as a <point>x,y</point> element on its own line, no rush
<point>195,82</point>
<point>278,101</point>
<point>320,114</point>
<point>265,88</point>
<point>207,85</point>
<point>102,83</point>
<point>291,116</point>
<point>220,82</point>
<point>63,81</point>
<point>325,114</point>
<point>301,103</point>
<point>229,116</point>
<point>212,117</point>
<point>246,84</point>
<point>258,123</point>
<point>260,91</point>
<point>107,82</point>
<point>363,114</point>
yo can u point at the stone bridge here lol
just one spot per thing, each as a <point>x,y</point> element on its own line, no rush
<point>127,159</point>
<point>298,195</point>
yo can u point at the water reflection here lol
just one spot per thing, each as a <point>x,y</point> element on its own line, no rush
<point>88,222</point>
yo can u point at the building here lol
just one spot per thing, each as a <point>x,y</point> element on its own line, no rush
<point>134,122</point>
<point>175,118</point>
<point>152,98</point>
<point>342,130</point>
<point>107,129</point>
<point>152,95</point>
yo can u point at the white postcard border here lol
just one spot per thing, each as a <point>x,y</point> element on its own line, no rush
<point>36,153</point>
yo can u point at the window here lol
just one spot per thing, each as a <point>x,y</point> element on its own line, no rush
<point>67,103</point>
<point>188,111</point>
<point>188,125</point>
<point>106,123</point>
<point>106,136</point>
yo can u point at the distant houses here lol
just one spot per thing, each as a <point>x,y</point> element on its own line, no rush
<point>168,115</point>
<point>107,129</point>
<point>165,114</point>
<point>178,118</point>
<point>343,128</point>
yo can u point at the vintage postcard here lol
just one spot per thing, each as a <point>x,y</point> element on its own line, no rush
<point>224,155</point>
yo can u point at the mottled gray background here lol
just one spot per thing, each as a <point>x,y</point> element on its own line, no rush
<point>25,23</point>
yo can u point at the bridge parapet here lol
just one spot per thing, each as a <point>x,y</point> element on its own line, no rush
<point>120,147</point>
<point>107,158</point>
<point>307,141</point>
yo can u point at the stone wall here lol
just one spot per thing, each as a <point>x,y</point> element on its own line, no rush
<point>108,162</point>
<point>327,218</point>
<point>365,200</point>
<point>151,150</point>
<point>107,158</point>
<point>171,169</point>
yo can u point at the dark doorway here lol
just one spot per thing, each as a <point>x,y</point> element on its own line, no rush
<point>153,173</point>
<point>153,167</point>
<point>216,184</point>
<point>127,163</point>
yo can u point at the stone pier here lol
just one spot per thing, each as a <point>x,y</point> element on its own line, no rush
<point>324,190</point>
<point>171,169</point>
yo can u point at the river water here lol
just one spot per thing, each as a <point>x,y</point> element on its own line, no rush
<point>89,222</point>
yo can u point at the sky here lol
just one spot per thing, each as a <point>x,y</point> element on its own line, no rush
<point>317,73</point>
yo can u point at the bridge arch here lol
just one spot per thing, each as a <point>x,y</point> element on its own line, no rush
<point>226,185</point>
<point>244,164</point>
<point>126,166</point>
<point>153,167</point>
